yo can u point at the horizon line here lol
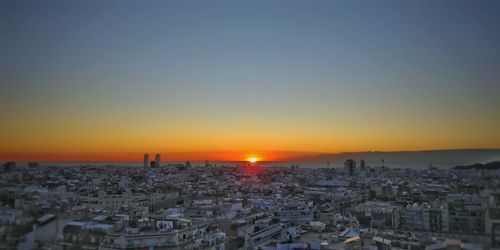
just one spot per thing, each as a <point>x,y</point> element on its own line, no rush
<point>179,156</point>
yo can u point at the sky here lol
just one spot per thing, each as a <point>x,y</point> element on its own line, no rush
<point>111,80</point>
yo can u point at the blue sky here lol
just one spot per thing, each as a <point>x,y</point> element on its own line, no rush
<point>221,69</point>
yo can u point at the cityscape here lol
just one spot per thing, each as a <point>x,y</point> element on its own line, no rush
<point>246,206</point>
<point>250,125</point>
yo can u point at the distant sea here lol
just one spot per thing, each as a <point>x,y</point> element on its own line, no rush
<point>239,163</point>
<point>446,158</point>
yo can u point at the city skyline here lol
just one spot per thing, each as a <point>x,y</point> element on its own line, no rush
<point>111,80</point>
<point>250,125</point>
<point>443,158</point>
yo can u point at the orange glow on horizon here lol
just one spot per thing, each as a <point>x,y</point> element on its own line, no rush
<point>138,156</point>
<point>252,159</point>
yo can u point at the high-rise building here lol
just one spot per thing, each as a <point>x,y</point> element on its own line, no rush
<point>492,225</point>
<point>157,160</point>
<point>350,167</point>
<point>362,165</point>
<point>436,217</point>
<point>146,160</point>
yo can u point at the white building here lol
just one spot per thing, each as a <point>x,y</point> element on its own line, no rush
<point>435,217</point>
<point>412,217</point>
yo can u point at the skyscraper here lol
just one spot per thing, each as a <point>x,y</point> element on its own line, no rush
<point>350,167</point>
<point>362,164</point>
<point>146,160</point>
<point>157,160</point>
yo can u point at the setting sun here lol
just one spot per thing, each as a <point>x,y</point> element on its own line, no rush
<point>252,159</point>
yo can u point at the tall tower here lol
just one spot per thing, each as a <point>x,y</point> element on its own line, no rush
<point>157,160</point>
<point>146,160</point>
<point>362,164</point>
<point>350,167</point>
